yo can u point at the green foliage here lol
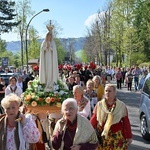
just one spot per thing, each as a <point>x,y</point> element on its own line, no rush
<point>34,44</point>
<point>2,46</point>
<point>125,28</point>
<point>9,55</point>
<point>7,15</point>
<point>34,47</point>
<point>23,9</point>
<point>144,64</point>
<point>142,23</point>
<point>61,53</point>
<point>78,54</point>
<point>35,94</point>
<point>14,59</point>
<point>84,57</point>
<point>134,59</point>
<point>17,62</point>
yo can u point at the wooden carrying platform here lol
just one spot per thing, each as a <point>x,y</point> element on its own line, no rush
<point>44,109</point>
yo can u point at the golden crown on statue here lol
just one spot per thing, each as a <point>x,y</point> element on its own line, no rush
<point>50,27</point>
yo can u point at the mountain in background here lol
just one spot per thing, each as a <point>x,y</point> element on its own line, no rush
<point>75,43</point>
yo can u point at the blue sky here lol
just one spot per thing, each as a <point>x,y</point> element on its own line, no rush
<point>73,16</point>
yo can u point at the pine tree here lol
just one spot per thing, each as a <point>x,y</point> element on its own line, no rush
<point>7,15</point>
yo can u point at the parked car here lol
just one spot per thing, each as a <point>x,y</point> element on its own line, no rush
<point>145,109</point>
<point>6,77</point>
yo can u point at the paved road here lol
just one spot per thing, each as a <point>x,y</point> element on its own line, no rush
<point>131,99</point>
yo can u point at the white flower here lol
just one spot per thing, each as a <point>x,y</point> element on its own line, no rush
<point>55,92</point>
<point>35,86</point>
<point>39,87</point>
<point>61,92</point>
<point>29,87</point>
<point>55,87</point>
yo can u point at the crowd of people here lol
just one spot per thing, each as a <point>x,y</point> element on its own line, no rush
<point>93,118</point>
<point>124,76</point>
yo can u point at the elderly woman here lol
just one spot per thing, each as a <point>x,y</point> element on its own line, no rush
<point>16,129</point>
<point>83,102</point>
<point>90,93</point>
<point>111,121</point>
<point>98,87</point>
<point>73,132</point>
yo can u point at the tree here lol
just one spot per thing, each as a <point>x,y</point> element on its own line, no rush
<point>2,46</point>
<point>7,15</point>
<point>13,59</point>
<point>84,57</point>
<point>97,45</point>
<point>89,50</point>
<point>130,33</point>
<point>10,57</point>
<point>142,25</point>
<point>23,9</point>
<point>17,62</point>
<point>124,28</point>
<point>61,53</point>
<point>34,44</point>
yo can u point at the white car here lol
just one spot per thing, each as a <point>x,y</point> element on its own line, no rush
<point>145,109</point>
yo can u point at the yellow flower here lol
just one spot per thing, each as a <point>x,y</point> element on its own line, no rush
<point>58,104</point>
<point>33,95</point>
<point>34,103</point>
<point>28,98</point>
<point>48,100</point>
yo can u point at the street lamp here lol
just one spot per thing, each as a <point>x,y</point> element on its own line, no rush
<point>26,32</point>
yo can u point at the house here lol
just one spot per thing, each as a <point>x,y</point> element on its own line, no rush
<point>33,62</point>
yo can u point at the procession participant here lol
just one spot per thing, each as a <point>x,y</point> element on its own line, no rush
<point>13,87</point>
<point>20,82</point>
<point>1,69</point>
<point>136,73</point>
<point>119,78</point>
<point>109,72</point>
<point>78,81</point>
<point>17,131</point>
<point>71,83</point>
<point>110,119</point>
<point>83,102</point>
<point>129,78</point>
<point>142,80</point>
<point>88,73</point>
<point>123,71</point>
<point>72,131</point>
<point>98,87</point>
<point>2,89</point>
<point>90,93</point>
<point>2,94</point>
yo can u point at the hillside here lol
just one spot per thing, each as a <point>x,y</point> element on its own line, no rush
<point>77,44</point>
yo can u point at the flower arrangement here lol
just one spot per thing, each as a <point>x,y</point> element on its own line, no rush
<point>36,96</point>
<point>36,68</point>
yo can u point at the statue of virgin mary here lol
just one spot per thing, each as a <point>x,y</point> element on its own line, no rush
<point>48,70</point>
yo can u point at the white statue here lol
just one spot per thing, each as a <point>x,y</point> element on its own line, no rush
<point>48,70</point>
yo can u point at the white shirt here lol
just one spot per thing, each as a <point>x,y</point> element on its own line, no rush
<point>11,89</point>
